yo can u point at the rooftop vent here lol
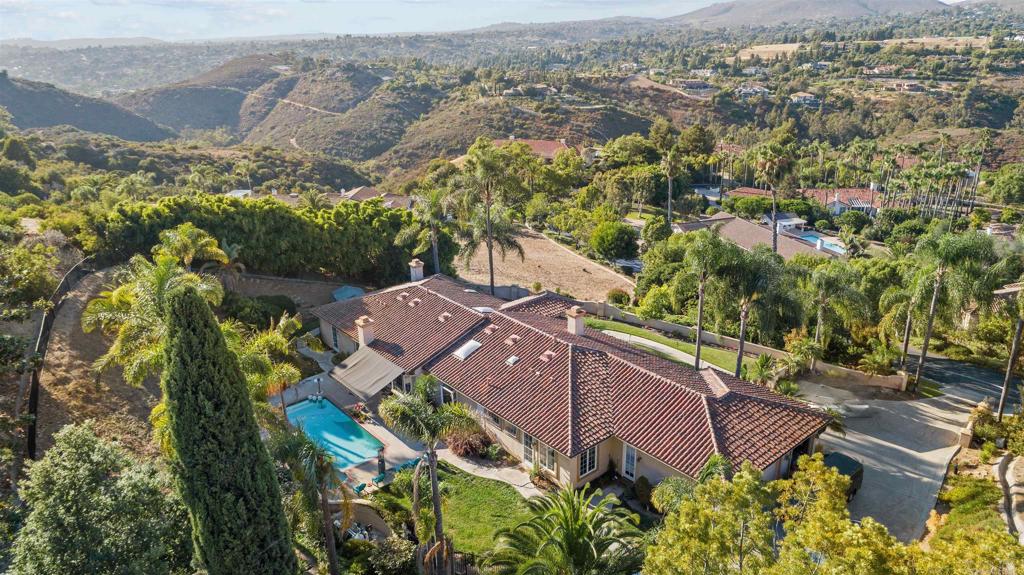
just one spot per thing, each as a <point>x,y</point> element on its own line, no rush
<point>414,302</point>
<point>402,296</point>
<point>490,329</point>
<point>512,339</point>
<point>512,360</point>
<point>444,317</point>
<point>466,350</point>
<point>547,356</point>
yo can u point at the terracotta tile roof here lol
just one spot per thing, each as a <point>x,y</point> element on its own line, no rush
<point>573,391</point>
<point>848,196</point>
<point>546,149</point>
<point>745,192</point>
<point>545,303</point>
<point>363,193</point>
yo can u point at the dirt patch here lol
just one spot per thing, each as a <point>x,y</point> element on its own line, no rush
<point>71,392</point>
<point>551,265</point>
<point>767,51</point>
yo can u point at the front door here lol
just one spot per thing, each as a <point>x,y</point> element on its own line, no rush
<point>629,462</point>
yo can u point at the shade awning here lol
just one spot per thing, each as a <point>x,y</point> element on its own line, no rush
<point>365,373</point>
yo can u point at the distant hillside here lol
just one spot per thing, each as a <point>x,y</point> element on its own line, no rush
<point>739,13</point>
<point>211,100</point>
<point>453,126</point>
<point>1011,5</point>
<point>39,105</point>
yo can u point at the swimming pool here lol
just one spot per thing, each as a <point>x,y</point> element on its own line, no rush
<point>338,433</point>
<point>813,238</point>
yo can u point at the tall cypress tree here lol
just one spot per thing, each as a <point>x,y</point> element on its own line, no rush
<point>225,475</point>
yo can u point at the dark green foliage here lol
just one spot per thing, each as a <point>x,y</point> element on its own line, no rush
<point>16,150</point>
<point>394,556</point>
<point>655,230</point>
<point>257,311</point>
<point>224,472</point>
<point>1008,185</point>
<point>92,509</point>
<point>355,240</point>
<point>614,240</point>
<point>642,488</point>
<point>853,220</point>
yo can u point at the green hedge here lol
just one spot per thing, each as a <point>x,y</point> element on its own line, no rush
<point>354,240</point>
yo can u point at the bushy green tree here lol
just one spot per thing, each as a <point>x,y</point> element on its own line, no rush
<point>614,240</point>
<point>655,230</point>
<point>224,473</point>
<point>92,509</point>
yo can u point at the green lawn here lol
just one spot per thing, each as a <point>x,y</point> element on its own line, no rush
<point>722,358</point>
<point>474,508</point>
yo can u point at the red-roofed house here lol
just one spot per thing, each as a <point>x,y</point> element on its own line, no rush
<point>363,193</point>
<point>543,149</point>
<point>839,200</point>
<point>552,391</point>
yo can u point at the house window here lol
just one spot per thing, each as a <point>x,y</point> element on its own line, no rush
<point>334,336</point>
<point>493,417</point>
<point>447,395</point>
<point>547,457</point>
<point>529,445</point>
<point>588,461</point>
<point>510,429</point>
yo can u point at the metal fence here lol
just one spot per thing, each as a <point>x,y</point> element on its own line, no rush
<point>67,283</point>
<point>445,560</point>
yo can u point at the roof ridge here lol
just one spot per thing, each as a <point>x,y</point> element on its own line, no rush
<point>651,373</point>
<point>446,298</point>
<point>572,398</point>
<point>711,425</point>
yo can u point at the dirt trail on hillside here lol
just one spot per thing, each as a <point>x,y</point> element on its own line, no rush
<point>71,392</point>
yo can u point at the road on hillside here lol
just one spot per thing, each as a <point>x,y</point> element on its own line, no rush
<point>970,381</point>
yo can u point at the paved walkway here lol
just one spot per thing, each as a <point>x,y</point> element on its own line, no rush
<point>667,350</point>
<point>514,476</point>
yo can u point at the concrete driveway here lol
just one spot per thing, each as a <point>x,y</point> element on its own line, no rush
<point>905,447</point>
<point>969,381</point>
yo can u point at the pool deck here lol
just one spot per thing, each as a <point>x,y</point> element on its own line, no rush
<point>396,449</point>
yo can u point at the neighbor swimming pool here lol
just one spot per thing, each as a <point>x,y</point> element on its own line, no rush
<point>332,428</point>
<point>813,238</point>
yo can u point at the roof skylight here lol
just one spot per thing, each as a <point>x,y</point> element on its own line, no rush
<point>466,349</point>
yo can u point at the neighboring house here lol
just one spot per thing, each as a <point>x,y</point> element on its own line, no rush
<point>543,149</point>
<point>786,221</point>
<point>702,73</point>
<point>816,66</point>
<point>556,393</point>
<point>756,71</point>
<point>884,70</point>
<point>695,85</point>
<point>912,87</point>
<point>840,200</point>
<point>748,192</point>
<point>363,193</point>
<point>747,235</point>
<point>805,99</point>
<point>753,91</point>
<point>240,194</point>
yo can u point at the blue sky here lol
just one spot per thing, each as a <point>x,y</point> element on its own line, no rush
<point>197,19</point>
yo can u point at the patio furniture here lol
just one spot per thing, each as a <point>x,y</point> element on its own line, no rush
<point>379,479</point>
<point>360,488</point>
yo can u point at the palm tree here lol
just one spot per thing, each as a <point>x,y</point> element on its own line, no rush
<point>133,311</point>
<point>316,477</point>
<point>704,261</point>
<point>244,169</point>
<point>901,304</point>
<point>230,269</point>
<point>753,278</point>
<point>314,200</point>
<point>671,165</point>
<point>960,255</point>
<point>494,228</point>
<point>485,178</point>
<point>571,533</point>
<point>762,370</point>
<point>430,211</point>
<point>135,186</point>
<point>1017,311</point>
<point>416,415</point>
<point>831,292</point>
<point>187,243</point>
<point>774,161</point>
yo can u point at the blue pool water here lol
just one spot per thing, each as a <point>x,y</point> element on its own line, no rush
<point>825,243</point>
<point>340,435</point>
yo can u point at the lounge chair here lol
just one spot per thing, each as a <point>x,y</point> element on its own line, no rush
<point>359,488</point>
<point>379,479</point>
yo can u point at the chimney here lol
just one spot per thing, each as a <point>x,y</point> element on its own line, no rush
<point>574,319</point>
<point>364,327</point>
<point>416,270</point>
